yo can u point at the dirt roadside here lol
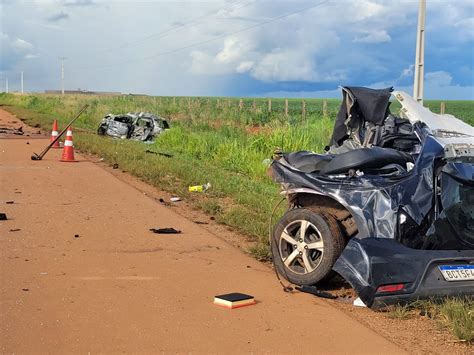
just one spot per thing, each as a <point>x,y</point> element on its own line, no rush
<point>117,287</point>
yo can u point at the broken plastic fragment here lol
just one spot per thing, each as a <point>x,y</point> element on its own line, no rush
<point>199,188</point>
<point>165,230</point>
<point>358,302</point>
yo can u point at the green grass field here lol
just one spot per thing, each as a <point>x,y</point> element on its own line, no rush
<point>216,140</point>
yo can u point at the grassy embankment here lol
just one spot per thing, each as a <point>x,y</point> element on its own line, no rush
<point>212,140</point>
<point>454,314</point>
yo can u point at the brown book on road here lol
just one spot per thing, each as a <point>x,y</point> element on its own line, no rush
<point>234,300</point>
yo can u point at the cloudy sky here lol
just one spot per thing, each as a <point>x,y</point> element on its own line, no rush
<point>293,48</point>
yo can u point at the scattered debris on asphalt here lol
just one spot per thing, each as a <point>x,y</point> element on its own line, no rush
<point>140,126</point>
<point>3,217</point>
<point>165,231</point>
<point>199,188</point>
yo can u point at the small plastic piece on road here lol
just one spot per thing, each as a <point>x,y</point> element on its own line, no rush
<point>358,302</point>
<point>165,230</point>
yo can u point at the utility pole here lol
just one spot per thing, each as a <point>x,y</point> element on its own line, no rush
<point>420,54</point>
<point>62,74</point>
<point>6,85</point>
<point>21,82</point>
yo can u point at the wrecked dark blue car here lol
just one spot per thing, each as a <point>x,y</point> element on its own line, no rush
<point>389,206</point>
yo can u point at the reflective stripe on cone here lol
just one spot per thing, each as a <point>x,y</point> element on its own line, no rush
<point>54,134</point>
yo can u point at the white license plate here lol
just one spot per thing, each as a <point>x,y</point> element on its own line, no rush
<point>457,272</point>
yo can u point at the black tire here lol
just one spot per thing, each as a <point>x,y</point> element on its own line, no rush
<point>307,260</point>
<point>101,130</point>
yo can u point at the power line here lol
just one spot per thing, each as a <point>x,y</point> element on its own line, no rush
<point>245,29</point>
<point>175,28</point>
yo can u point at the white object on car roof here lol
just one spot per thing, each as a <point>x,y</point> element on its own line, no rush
<point>439,124</point>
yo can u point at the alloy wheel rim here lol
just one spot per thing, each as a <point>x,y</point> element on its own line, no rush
<point>301,247</point>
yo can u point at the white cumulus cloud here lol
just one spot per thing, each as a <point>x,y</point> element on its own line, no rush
<point>375,36</point>
<point>438,78</point>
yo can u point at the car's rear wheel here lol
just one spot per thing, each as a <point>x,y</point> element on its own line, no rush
<point>305,245</point>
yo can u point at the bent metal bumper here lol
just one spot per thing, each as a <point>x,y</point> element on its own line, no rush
<point>384,272</point>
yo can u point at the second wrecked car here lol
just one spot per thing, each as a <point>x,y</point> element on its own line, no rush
<point>140,126</point>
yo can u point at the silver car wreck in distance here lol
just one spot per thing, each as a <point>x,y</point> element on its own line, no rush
<point>140,126</point>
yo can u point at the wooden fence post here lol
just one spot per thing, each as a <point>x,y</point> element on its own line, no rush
<point>303,109</point>
<point>442,108</point>
<point>325,108</point>
<point>286,107</point>
<point>241,104</point>
<point>270,105</point>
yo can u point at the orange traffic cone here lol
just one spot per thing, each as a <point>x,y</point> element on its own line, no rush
<point>54,134</point>
<point>68,151</point>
